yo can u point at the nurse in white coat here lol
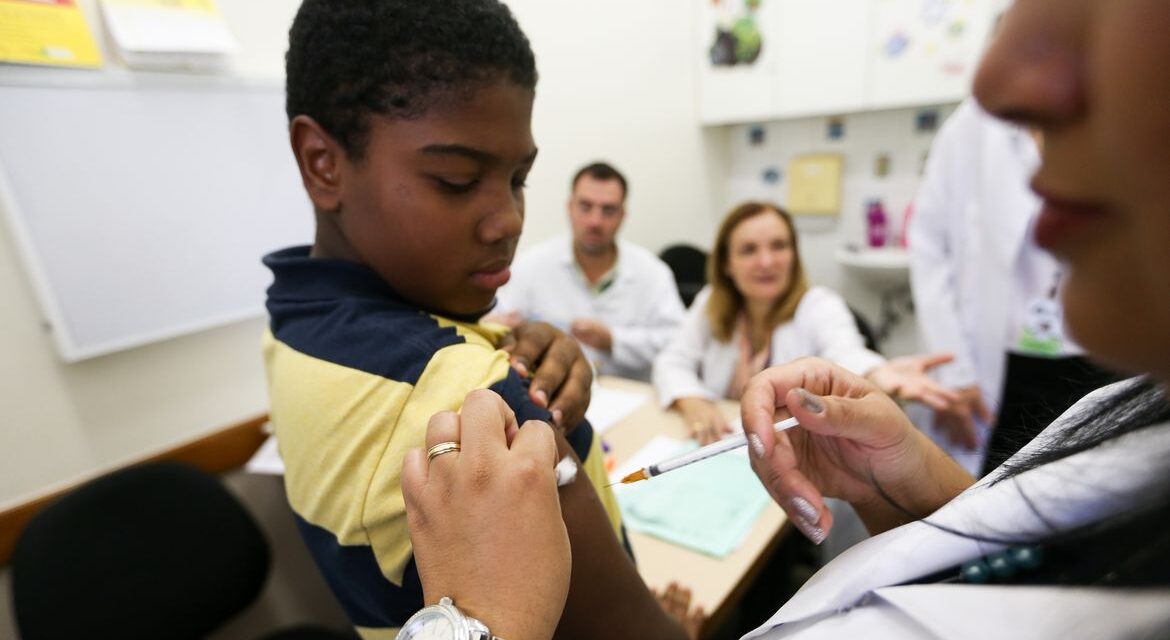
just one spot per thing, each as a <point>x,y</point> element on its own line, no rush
<point>1092,490</point>
<point>759,311</point>
<point>986,293</point>
<point>968,236</point>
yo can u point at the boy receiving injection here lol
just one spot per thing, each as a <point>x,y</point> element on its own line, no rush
<point>411,125</point>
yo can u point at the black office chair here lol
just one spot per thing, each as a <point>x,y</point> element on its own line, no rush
<point>155,551</point>
<point>866,330</point>
<point>689,266</point>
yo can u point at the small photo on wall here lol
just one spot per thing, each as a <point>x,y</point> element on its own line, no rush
<point>757,134</point>
<point>835,129</point>
<point>926,121</point>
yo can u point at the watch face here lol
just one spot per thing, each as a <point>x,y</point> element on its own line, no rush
<point>431,623</point>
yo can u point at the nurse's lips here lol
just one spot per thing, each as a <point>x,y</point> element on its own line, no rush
<point>1064,221</point>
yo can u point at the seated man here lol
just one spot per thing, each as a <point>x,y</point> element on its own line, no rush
<point>617,298</point>
<point>411,127</point>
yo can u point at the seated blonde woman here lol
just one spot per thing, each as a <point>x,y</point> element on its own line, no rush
<point>759,311</point>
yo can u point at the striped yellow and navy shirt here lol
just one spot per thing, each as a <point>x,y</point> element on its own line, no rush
<point>354,375</point>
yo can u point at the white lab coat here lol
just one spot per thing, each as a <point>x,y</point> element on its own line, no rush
<point>642,308</point>
<point>967,236</point>
<point>696,364</point>
<point>853,595</point>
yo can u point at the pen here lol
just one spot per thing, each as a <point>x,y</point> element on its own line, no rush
<point>713,449</point>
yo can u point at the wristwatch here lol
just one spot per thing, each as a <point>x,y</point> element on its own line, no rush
<point>444,621</point>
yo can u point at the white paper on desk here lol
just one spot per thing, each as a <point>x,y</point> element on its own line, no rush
<point>607,407</point>
<point>659,448</point>
<point>267,459</point>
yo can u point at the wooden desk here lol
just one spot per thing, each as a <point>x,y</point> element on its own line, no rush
<point>716,584</point>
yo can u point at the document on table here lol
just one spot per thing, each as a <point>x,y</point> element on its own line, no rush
<point>709,506</point>
<point>266,460</point>
<point>607,406</point>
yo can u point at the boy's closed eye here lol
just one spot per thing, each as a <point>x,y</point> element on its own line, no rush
<point>460,186</point>
<point>458,169</point>
<point>456,185</point>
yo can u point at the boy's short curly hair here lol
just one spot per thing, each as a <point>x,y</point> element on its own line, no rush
<point>350,59</point>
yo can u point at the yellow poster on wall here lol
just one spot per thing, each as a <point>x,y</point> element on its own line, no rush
<point>202,6</point>
<point>50,32</point>
<point>814,185</point>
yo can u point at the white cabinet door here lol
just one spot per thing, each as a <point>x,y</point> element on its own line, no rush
<point>822,59</point>
<point>836,56</point>
<point>926,51</point>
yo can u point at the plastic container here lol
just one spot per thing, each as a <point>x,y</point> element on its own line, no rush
<point>877,224</point>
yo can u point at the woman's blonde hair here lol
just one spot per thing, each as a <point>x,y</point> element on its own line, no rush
<point>726,302</point>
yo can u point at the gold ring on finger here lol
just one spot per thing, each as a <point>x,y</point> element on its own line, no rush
<point>441,448</point>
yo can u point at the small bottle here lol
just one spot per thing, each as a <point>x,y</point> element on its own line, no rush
<point>877,223</point>
<point>904,232</point>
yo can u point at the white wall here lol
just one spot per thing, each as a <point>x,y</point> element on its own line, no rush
<point>616,84</point>
<point>866,136</point>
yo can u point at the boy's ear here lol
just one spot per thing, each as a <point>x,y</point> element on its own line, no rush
<point>319,158</point>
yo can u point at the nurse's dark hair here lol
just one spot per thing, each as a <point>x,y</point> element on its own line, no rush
<point>1128,550</point>
<point>351,60</point>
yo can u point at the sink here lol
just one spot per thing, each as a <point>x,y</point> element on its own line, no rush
<point>885,269</point>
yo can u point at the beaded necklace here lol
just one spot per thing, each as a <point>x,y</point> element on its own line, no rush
<point>1001,566</point>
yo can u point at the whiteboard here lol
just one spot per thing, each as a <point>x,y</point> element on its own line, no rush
<point>142,212</point>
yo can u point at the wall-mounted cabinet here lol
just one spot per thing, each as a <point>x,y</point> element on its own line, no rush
<point>822,66</point>
<point>925,51</point>
<point>770,59</point>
